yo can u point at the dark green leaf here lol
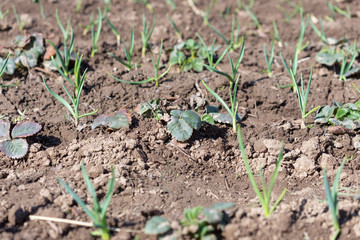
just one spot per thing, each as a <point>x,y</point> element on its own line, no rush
<point>179,129</point>
<point>341,113</point>
<point>192,118</point>
<point>222,205</point>
<point>157,225</point>
<point>25,129</point>
<point>208,118</point>
<point>213,216</point>
<point>16,148</point>
<point>100,120</point>
<point>212,109</point>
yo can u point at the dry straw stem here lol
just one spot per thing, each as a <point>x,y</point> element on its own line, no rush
<point>74,222</point>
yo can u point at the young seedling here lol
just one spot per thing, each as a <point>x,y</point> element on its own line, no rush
<point>156,66</point>
<point>20,23</point>
<point>107,6</point>
<point>233,85</point>
<point>172,4</point>
<point>146,34</point>
<point>78,85</point>
<point>265,197</point>
<point>345,66</point>
<point>276,34</point>
<point>62,63</point>
<point>235,41</point>
<point>288,16</point>
<point>146,3</point>
<point>269,59</point>
<point>78,6</point>
<point>128,53</point>
<point>301,94</point>
<point>178,33</point>
<point>331,196</point>
<point>114,30</point>
<point>321,32</point>
<point>253,17</point>
<point>16,146</point>
<point>3,14</point>
<point>98,213</point>
<point>95,35</point>
<point>3,65</point>
<point>241,4</point>
<point>234,68</point>
<point>210,52</point>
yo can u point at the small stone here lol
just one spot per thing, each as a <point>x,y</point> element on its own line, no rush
<point>272,145</point>
<point>27,20</point>
<point>356,141</point>
<point>95,171</point>
<point>46,194</point>
<point>311,147</point>
<point>304,166</point>
<point>130,144</point>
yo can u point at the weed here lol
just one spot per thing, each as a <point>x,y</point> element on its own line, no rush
<point>146,34</point>
<point>98,213</point>
<point>331,196</point>
<point>16,146</point>
<point>95,35</point>
<point>265,197</point>
<point>128,53</point>
<point>78,85</point>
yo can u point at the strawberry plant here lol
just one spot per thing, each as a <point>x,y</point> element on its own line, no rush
<point>121,119</point>
<point>198,223</point>
<point>25,51</point>
<point>182,124</point>
<point>347,115</point>
<point>14,145</point>
<point>190,55</point>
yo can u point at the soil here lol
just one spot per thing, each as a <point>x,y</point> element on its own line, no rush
<point>155,175</point>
